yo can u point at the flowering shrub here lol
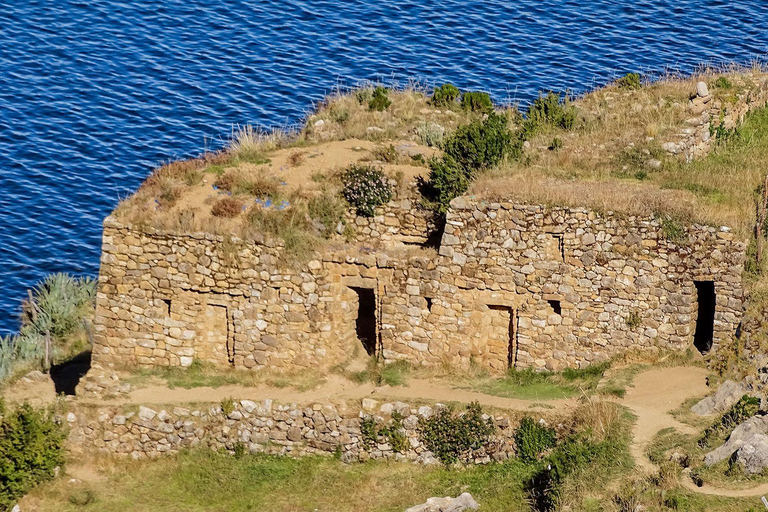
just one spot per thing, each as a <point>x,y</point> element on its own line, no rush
<point>365,188</point>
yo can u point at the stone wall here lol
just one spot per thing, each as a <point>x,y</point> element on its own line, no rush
<point>511,285</point>
<point>266,427</point>
<point>709,113</point>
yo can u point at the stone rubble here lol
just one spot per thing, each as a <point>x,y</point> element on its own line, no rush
<point>459,504</point>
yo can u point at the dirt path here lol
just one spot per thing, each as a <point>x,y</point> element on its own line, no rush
<point>337,388</point>
<point>654,394</point>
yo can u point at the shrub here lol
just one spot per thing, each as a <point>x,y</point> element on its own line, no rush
<point>451,436</point>
<point>387,154</point>
<point>472,148</point>
<point>550,110</point>
<point>672,229</point>
<point>31,448</point>
<point>445,95</point>
<point>446,181</point>
<point>480,144</point>
<point>572,456</point>
<point>722,83</point>
<point>430,134</point>
<point>532,439</point>
<point>291,225</point>
<point>227,207</point>
<point>633,320</point>
<point>365,188</point>
<point>476,101</point>
<point>228,405</point>
<point>379,101</point>
<point>629,81</point>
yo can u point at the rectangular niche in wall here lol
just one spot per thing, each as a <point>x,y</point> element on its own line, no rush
<point>213,343</point>
<point>553,247</point>
<point>705,319</point>
<point>365,324</point>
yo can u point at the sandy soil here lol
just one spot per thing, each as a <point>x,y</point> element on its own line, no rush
<point>295,167</point>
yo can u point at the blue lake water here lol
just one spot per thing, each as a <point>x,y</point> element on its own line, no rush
<point>94,93</point>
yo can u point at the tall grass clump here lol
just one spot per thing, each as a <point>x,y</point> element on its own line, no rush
<point>56,313</point>
<point>31,450</point>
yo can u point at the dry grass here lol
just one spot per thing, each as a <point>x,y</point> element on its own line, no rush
<point>603,163</point>
<point>607,161</point>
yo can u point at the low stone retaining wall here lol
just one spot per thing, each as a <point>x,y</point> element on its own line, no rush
<point>267,427</point>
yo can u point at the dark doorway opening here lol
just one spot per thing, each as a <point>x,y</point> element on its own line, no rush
<point>705,320</point>
<point>365,325</point>
<point>555,305</point>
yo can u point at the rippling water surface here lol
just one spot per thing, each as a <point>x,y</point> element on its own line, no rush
<point>94,93</point>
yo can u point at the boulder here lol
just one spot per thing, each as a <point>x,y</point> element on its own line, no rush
<point>726,395</point>
<point>753,455</point>
<point>702,90</point>
<point>740,436</point>
<point>459,504</point>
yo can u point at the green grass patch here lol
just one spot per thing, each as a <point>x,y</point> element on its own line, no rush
<point>209,481</point>
<point>531,385</point>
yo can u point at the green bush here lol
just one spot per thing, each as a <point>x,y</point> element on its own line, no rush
<point>722,83</point>
<point>31,448</point>
<point>476,101</point>
<point>550,110</point>
<point>629,81</point>
<point>446,181</point>
<point>533,439</point>
<point>472,148</point>
<point>379,100</point>
<point>365,188</point>
<point>480,144</point>
<point>445,95</point>
<point>573,455</point>
<point>393,432</point>
<point>59,306</point>
<point>450,436</point>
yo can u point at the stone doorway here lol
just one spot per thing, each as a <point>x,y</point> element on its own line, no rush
<point>366,322</point>
<point>503,343</point>
<point>214,343</point>
<point>705,319</point>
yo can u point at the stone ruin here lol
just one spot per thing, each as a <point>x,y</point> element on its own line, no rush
<point>503,285</point>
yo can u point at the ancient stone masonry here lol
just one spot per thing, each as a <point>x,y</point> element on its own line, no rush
<point>266,427</point>
<point>511,285</point>
<point>710,114</point>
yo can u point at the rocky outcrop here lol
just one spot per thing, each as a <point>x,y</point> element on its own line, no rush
<point>726,395</point>
<point>745,434</point>
<point>459,504</point>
